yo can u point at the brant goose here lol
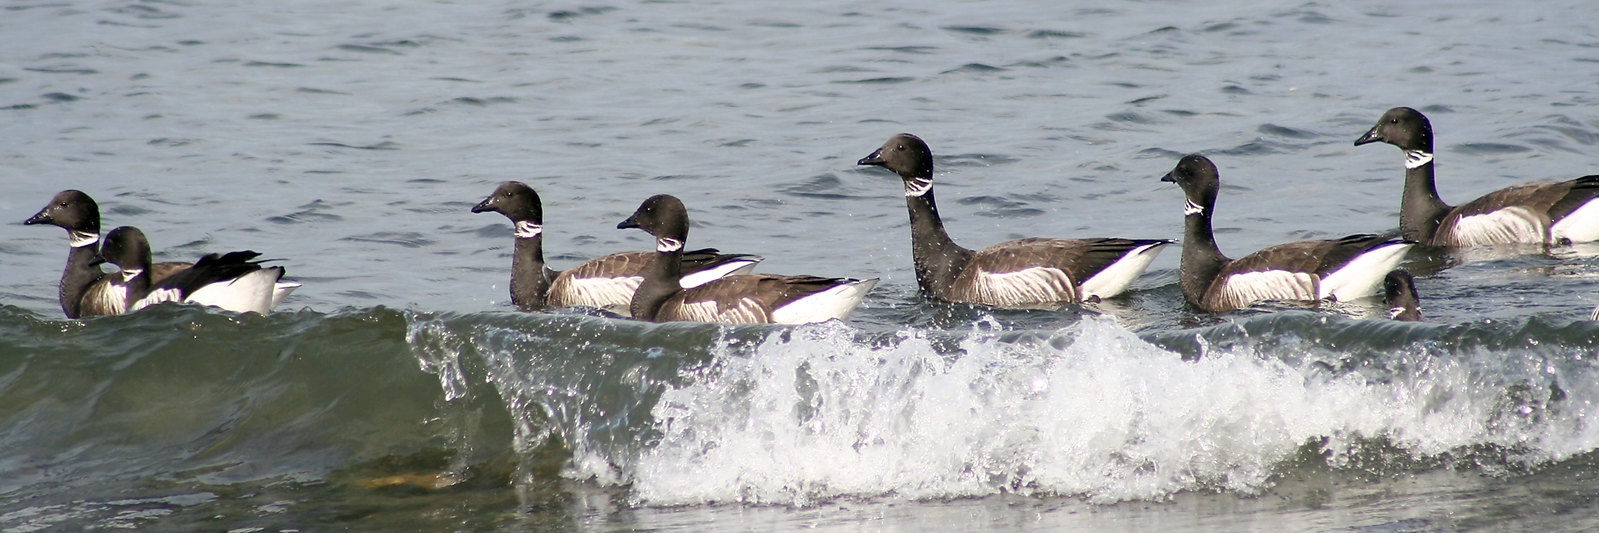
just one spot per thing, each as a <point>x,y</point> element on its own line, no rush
<point>607,282</point>
<point>231,281</point>
<point>1342,269</point>
<point>1022,273</point>
<point>742,299</point>
<point>1538,212</point>
<point>1399,294</point>
<point>83,281</point>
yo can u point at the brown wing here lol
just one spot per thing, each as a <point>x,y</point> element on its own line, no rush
<point>733,299</point>
<point>1518,213</point>
<point>1285,272</point>
<point>617,264</point>
<point>606,282</point>
<point>160,271</point>
<point>1030,272</point>
<point>742,299</point>
<point>1291,271</point>
<point>1578,192</point>
<point>1336,254</point>
<point>1521,213</point>
<point>704,258</point>
<point>632,263</point>
<point>1302,256</point>
<point>1538,196</point>
<point>609,282</point>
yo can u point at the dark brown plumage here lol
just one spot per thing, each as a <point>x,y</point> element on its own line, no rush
<point>1031,272</point>
<point>739,299</point>
<point>1538,212</point>
<point>1399,294</point>
<point>76,212</point>
<point>1340,269</point>
<point>606,282</point>
<point>234,281</point>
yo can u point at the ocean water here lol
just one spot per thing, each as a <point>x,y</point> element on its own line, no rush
<point>400,390</point>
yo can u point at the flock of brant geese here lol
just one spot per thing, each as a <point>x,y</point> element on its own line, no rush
<point>672,284</point>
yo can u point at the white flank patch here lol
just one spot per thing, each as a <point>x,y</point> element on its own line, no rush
<point>1509,225</point>
<point>730,268</point>
<point>668,245</point>
<point>611,294</point>
<point>1248,287</point>
<point>527,229</point>
<point>836,302</point>
<point>111,298</point>
<point>1116,278</point>
<point>157,296</point>
<point>1581,225</point>
<point>1416,158</point>
<point>1026,287</point>
<point>918,186</point>
<point>743,311</point>
<point>251,292</point>
<point>130,273</point>
<point>1363,275</point>
<point>79,239</point>
<point>1191,208</point>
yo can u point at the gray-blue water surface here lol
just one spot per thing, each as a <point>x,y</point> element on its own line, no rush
<point>350,139</point>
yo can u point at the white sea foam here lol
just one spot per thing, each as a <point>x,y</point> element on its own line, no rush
<point>1091,410</point>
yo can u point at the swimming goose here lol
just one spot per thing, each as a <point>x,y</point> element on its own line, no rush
<point>231,281</point>
<point>742,299</point>
<point>1341,269</point>
<point>1537,212</point>
<point>83,288</point>
<point>607,282</point>
<point>1022,273</point>
<point>1399,294</point>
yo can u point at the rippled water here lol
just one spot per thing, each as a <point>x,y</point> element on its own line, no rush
<point>397,389</point>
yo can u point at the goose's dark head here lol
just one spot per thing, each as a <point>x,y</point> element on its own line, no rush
<point>1199,180</point>
<point>908,156</point>
<point>516,201</point>
<point>1403,127</point>
<point>71,210</point>
<point>1399,294</point>
<point>663,216</point>
<point>127,248</point>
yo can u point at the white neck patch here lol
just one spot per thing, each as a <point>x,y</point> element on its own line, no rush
<point>81,239</point>
<point>918,186</point>
<point>1416,158</point>
<point>1395,312</point>
<point>1191,208</point>
<point>130,273</point>
<point>528,230</point>
<point>666,245</point>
